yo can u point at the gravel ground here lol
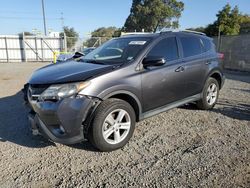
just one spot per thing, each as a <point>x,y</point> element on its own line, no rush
<point>184,147</point>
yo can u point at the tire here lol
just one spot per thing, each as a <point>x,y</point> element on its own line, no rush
<point>115,117</point>
<point>209,92</point>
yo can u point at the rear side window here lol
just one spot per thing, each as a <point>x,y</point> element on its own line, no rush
<point>191,46</point>
<point>166,48</point>
<point>206,44</point>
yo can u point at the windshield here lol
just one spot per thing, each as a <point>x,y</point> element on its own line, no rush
<point>120,50</point>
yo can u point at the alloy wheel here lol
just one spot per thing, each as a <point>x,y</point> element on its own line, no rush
<point>212,94</point>
<point>116,126</point>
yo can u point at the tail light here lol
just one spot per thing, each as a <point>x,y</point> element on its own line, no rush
<point>221,56</point>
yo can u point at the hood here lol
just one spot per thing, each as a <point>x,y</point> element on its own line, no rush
<point>67,72</point>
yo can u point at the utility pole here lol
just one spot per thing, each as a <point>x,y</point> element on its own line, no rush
<point>44,19</point>
<point>62,20</point>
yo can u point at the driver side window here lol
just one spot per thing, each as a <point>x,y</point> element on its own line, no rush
<point>166,48</point>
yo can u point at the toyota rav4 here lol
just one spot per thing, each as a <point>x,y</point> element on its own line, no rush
<point>125,80</point>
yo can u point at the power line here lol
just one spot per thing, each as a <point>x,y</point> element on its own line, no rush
<point>17,12</point>
<point>27,18</point>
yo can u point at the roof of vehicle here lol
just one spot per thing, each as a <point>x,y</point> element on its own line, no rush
<point>155,35</point>
<point>150,35</point>
<point>181,31</point>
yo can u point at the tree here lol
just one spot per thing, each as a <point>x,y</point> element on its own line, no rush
<point>244,24</point>
<point>211,30</point>
<point>198,29</point>
<point>104,32</point>
<point>150,15</point>
<point>229,22</point>
<point>71,36</point>
<point>102,35</point>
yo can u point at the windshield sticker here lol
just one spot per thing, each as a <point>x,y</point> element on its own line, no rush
<point>137,42</point>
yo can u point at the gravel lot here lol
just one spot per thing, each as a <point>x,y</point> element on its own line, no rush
<point>184,147</point>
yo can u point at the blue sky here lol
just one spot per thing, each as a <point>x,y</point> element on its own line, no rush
<point>86,15</point>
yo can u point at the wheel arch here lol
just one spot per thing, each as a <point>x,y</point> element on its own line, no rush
<point>130,98</point>
<point>217,75</point>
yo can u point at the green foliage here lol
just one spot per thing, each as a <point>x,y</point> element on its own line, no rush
<point>198,29</point>
<point>244,24</point>
<point>211,30</point>
<point>150,15</point>
<point>104,32</point>
<point>229,22</point>
<point>101,35</point>
<point>71,36</point>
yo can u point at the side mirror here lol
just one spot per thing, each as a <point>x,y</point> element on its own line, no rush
<point>153,61</point>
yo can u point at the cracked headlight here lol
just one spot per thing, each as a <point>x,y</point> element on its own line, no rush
<point>59,91</point>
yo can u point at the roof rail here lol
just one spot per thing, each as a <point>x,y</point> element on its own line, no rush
<point>134,33</point>
<point>165,30</point>
<point>195,32</point>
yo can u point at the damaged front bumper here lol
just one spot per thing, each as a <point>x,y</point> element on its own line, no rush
<point>61,121</point>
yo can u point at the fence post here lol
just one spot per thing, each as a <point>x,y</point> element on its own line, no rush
<point>36,48</point>
<point>42,48</point>
<point>6,48</point>
<point>65,42</point>
<point>100,41</point>
<point>24,48</point>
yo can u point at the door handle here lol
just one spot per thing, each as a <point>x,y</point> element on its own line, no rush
<point>180,69</point>
<point>208,62</point>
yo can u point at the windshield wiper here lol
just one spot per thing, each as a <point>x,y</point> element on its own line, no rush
<point>92,61</point>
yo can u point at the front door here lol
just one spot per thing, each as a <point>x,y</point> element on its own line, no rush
<point>165,84</point>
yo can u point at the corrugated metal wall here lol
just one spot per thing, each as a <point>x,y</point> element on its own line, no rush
<point>15,48</point>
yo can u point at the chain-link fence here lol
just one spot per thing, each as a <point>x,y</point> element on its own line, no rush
<point>87,42</point>
<point>236,50</point>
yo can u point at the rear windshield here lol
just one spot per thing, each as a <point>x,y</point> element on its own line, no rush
<point>118,50</point>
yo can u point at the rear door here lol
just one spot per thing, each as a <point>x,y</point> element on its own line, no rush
<point>164,84</point>
<point>194,63</point>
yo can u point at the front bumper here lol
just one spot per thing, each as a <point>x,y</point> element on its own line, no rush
<point>61,121</point>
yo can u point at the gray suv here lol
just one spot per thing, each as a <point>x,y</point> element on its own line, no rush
<point>125,80</point>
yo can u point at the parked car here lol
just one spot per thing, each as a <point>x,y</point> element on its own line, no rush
<point>122,82</point>
<point>74,56</point>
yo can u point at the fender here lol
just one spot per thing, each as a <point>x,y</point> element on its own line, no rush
<point>110,94</point>
<point>215,71</point>
<point>218,71</point>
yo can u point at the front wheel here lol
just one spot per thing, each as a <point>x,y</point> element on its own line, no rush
<point>113,125</point>
<point>209,95</point>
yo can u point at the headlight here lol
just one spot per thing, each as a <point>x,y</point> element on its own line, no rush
<point>56,92</point>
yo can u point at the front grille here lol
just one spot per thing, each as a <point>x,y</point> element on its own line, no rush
<point>35,90</point>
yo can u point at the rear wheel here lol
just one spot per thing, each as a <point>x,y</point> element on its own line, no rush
<point>113,125</point>
<point>209,95</point>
